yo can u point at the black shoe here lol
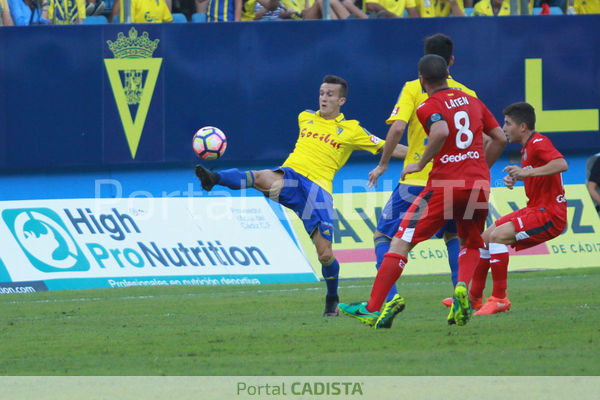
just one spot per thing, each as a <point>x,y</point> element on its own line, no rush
<point>331,303</point>
<point>207,177</point>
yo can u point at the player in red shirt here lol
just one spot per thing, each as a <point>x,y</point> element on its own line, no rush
<point>458,187</point>
<point>545,215</point>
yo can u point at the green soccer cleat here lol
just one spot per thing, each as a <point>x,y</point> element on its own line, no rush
<point>392,308</point>
<point>360,312</point>
<point>461,306</point>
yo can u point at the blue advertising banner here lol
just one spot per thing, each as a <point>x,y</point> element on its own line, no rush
<point>110,95</point>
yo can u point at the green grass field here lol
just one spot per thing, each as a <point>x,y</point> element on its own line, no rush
<point>552,329</point>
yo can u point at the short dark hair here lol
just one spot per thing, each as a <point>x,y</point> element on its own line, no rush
<point>521,112</point>
<point>338,81</point>
<point>433,69</point>
<point>440,45</point>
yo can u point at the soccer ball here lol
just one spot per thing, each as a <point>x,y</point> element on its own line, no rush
<point>209,143</point>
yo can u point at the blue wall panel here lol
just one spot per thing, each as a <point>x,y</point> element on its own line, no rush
<point>57,107</point>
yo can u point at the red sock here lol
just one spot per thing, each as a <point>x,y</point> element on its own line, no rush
<point>467,262</point>
<point>390,270</point>
<point>480,276</point>
<point>499,263</point>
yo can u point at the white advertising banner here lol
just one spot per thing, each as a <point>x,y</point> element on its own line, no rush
<point>81,243</point>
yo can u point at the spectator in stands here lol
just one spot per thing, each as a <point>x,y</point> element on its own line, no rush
<point>593,183</point>
<point>586,6</point>
<point>5,18</point>
<point>250,8</point>
<point>189,7</point>
<point>495,8</point>
<point>144,11</point>
<point>66,12</point>
<point>392,8</point>
<point>28,12</point>
<point>441,8</point>
<point>263,13</point>
<point>224,10</point>
<point>313,9</point>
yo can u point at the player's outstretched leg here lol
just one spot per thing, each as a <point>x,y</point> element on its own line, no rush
<point>390,310</point>
<point>208,178</point>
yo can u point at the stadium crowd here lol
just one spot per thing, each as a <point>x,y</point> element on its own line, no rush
<point>60,12</point>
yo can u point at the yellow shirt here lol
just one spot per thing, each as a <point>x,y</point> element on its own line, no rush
<point>395,6</point>
<point>248,10</point>
<point>324,146</point>
<point>484,8</point>
<point>587,6</point>
<point>410,98</point>
<point>436,8</point>
<point>64,12</point>
<point>143,11</point>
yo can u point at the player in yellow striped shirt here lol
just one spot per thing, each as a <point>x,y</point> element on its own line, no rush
<point>404,113</point>
<point>304,182</point>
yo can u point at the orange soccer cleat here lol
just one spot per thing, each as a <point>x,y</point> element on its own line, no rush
<point>494,305</point>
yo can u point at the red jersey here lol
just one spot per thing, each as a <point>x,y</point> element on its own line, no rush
<point>461,157</point>
<point>542,191</point>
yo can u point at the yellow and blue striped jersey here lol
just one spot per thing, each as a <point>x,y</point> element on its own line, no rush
<point>412,96</point>
<point>324,146</point>
<point>436,8</point>
<point>63,12</point>
<point>220,11</point>
<point>395,6</point>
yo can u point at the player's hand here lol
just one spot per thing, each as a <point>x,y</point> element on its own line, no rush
<point>409,169</point>
<point>375,174</point>
<point>509,181</point>
<point>516,172</point>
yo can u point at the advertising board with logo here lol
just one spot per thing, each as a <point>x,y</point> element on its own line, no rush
<point>358,213</point>
<point>84,243</point>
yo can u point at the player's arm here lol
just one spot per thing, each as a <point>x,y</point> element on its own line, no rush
<point>552,167</point>
<point>400,151</point>
<point>494,145</point>
<point>389,148</point>
<point>438,132</point>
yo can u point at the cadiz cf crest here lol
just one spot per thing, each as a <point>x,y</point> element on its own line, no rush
<point>132,74</point>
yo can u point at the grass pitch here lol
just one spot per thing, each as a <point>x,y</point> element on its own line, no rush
<point>552,329</point>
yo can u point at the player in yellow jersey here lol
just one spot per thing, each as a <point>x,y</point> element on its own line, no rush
<point>304,182</point>
<point>404,113</point>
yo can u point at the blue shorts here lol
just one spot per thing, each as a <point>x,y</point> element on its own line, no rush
<point>310,202</point>
<point>394,210</point>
